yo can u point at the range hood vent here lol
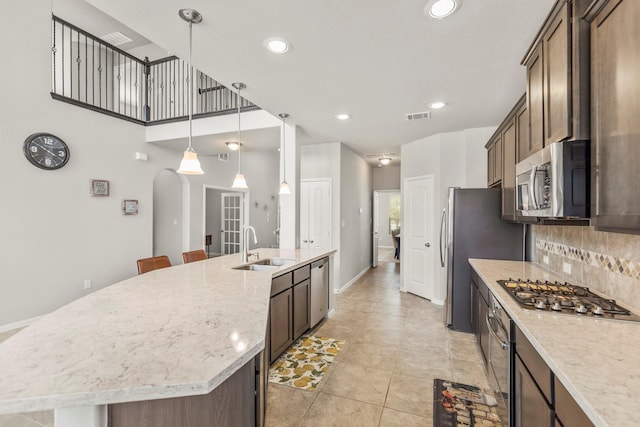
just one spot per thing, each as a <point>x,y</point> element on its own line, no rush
<point>418,116</point>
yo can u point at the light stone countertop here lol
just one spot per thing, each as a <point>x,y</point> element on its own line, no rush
<point>598,361</point>
<point>173,332</point>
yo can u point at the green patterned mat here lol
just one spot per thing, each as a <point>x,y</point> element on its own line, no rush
<point>304,364</point>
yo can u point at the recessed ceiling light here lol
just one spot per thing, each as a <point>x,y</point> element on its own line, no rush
<point>439,9</point>
<point>233,145</point>
<point>276,45</point>
<point>385,161</point>
<point>343,116</point>
<point>437,105</point>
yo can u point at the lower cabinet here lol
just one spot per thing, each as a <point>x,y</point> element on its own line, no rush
<point>280,323</point>
<point>531,408</point>
<point>540,398</point>
<point>301,301</point>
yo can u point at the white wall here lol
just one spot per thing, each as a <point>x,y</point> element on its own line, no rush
<point>261,171</point>
<point>386,177</point>
<point>53,235</point>
<point>213,219</point>
<point>167,215</point>
<point>456,159</point>
<point>356,187</point>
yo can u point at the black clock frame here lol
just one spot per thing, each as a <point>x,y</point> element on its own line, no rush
<point>33,161</point>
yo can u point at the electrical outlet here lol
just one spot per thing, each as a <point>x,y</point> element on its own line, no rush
<point>566,267</point>
<point>87,283</point>
<point>545,259</point>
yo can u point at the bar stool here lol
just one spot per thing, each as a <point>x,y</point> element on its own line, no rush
<point>192,256</point>
<point>153,263</point>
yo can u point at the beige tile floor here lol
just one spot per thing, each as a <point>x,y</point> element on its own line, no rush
<point>395,346</point>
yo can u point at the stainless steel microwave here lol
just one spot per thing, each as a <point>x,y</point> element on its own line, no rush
<point>554,182</point>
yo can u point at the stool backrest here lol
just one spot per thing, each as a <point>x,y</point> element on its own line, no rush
<point>153,263</point>
<point>192,256</point>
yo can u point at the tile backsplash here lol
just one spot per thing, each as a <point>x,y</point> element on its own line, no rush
<point>605,262</point>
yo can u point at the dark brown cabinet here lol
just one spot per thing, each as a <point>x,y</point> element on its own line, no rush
<point>524,148</point>
<point>301,300</point>
<point>509,142</point>
<point>288,310</point>
<point>558,77</point>
<point>531,408</point>
<point>280,323</point>
<point>615,111</point>
<point>494,162</point>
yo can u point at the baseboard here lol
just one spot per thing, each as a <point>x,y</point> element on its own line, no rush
<point>437,301</point>
<point>352,281</point>
<point>19,324</point>
<point>331,312</point>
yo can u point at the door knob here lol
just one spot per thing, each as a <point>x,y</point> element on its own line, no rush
<point>428,245</point>
<point>304,241</point>
<point>310,241</point>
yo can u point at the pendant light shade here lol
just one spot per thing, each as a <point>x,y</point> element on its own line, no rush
<point>284,186</point>
<point>190,165</point>
<point>239,182</point>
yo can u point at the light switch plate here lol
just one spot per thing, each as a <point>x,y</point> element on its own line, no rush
<point>545,259</point>
<point>566,267</point>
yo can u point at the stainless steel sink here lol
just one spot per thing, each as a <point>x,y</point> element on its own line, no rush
<point>278,262</point>
<point>265,264</point>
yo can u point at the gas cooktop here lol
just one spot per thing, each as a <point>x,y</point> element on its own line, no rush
<point>565,298</point>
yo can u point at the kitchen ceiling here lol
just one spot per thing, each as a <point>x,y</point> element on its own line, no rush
<point>377,61</point>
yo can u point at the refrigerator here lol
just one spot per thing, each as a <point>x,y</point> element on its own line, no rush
<point>472,227</point>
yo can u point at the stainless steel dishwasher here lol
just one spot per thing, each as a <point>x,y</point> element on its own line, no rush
<point>319,290</point>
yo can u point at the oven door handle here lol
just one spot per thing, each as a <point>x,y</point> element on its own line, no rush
<point>503,343</point>
<point>532,188</point>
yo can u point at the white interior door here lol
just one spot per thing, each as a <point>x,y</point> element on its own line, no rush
<point>417,245</point>
<point>231,216</point>
<point>315,213</point>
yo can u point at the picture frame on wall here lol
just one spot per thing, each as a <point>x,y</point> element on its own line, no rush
<point>129,207</point>
<point>99,188</point>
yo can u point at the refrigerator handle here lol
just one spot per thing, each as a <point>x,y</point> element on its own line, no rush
<point>442,226</point>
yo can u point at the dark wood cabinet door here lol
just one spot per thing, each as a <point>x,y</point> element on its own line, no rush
<point>509,170</point>
<point>301,300</point>
<point>531,409</point>
<point>281,329</point>
<point>498,160</point>
<point>615,61</point>
<point>491,165</point>
<point>557,77</point>
<point>522,130</point>
<point>535,97</point>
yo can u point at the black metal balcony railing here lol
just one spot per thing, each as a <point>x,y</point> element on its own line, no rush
<point>88,72</point>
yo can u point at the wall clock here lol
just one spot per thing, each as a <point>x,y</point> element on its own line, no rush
<point>46,151</point>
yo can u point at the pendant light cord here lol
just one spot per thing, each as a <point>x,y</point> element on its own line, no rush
<point>239,131</point>
<point>190,85</point>
<point>284,151</point>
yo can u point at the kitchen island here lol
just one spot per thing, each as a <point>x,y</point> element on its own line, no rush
<point>170,333</point>
<point>596,360</point>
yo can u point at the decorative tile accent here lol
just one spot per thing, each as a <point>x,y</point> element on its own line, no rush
<point>615,265</point>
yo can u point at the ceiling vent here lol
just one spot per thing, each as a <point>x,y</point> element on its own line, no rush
<point>223,157</point>
<point>377,156</point>
<point>116,39</point>
<point>418,116</point>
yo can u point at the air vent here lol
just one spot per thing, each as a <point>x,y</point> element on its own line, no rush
<point>418,116</point>
<point>223,157</point>
<point>377,156</point>
<point>116,39</point>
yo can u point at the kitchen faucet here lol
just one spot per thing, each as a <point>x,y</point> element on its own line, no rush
<point>246,254</point>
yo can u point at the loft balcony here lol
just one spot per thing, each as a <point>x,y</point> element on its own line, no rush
<point>91,73</point>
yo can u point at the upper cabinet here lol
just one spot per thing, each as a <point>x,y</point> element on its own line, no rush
<point>558,78</point>
<point>615,111</point>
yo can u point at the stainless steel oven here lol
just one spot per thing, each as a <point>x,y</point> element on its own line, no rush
<point>554,182</point>
<point>499,359</point>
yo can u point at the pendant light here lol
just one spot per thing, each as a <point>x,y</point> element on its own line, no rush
<point>190,165</point>
<point>239,182</point>
<point>284,186</point>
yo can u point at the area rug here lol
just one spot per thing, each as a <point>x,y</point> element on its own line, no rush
<point>304,364</point>
<point>462,405</point>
